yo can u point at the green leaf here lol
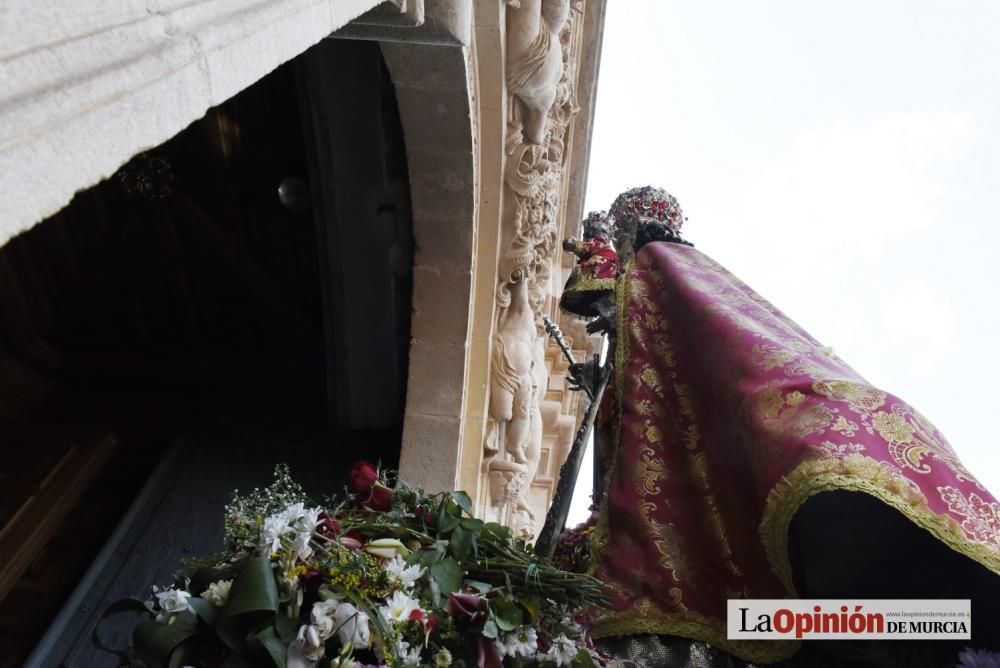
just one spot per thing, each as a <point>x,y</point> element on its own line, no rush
<point>461,543</point>
<point>161,645</point>
<point>507,614</point>
<point>205,610</point>
<point>448,576</point>
<point>463,501</point>
<point>583,659</point>
<point>490,629</point>
<point>481,587</point>
<point>447,523</point>
<point>426,558</point>
<point>123,605</point>
<point>473,525</point>
<point>203,577</point>
<point>286,628</point>
<point>498,532</point>
<point>533,606</point>
<point>251,605</point>
<point>272,649</point>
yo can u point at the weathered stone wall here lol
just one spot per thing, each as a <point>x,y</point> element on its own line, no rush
<point>87,87</point>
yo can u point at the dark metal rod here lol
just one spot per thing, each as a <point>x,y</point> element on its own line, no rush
<point>555,519</point>
<point>552,329</point>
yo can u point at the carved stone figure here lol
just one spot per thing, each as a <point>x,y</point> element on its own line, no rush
<point>534,59</point>
<point>511,391</point>
<point>541,106</point>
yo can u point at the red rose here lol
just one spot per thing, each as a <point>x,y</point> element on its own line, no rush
<point>362,477</point>
<point>381,499</point>
<point>328,526</point>
<point>417,616</point>
<point>431,624</point>
<point>463,606</point>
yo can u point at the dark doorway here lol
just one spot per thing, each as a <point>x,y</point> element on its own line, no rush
<point>194,296</point>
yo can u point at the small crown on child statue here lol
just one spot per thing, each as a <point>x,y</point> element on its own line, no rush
<point>596,224</point>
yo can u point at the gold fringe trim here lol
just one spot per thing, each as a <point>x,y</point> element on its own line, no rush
<point>587,284</point>
<point>860,474</point>
<point>600,538</point>
<point>692,625</point>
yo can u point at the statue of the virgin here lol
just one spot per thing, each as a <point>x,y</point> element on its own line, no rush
<point>744,459</point>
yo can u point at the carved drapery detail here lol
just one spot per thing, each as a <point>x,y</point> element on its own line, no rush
<point>530,422</point>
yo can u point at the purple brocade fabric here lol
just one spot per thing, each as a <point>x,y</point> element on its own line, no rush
<point>728,418</point>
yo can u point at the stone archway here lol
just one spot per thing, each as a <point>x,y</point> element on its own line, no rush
<point>433,88</point>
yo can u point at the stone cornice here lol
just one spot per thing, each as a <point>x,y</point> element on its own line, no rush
<point>86,90</point>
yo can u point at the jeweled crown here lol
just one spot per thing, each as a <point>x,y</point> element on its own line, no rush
<point>596,224</point>
<point>647,202</point>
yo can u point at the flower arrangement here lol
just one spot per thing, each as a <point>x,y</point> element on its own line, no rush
<point>387,576</point>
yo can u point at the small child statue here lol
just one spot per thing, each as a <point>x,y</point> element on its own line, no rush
<point>598,259</point>
<point>597,267</point>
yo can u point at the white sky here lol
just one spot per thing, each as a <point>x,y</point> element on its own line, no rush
<point>842,158</point>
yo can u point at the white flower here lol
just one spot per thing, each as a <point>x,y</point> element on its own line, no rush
<point>306,650</point>
<point>290,583</point>
<point>321,617</point>
<point>409,657</point>
<point>562,651</point>
<point>303,550</point>
<point>274,528</point>
<point>385,548</point>
<point>293,512</point>
<point>348,662</point>
<point>442,659</point>
<point>522,642</point>
<point>308,521</point>
<point>218,592</point>
<point>352,626</point>
<point>173,601</point>
<point>398,607</point>
<point>408,575</point>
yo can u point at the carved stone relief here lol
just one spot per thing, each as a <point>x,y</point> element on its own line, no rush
<point>541,105</point>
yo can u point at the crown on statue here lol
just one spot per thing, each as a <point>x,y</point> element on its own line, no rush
<point>641,215</point>
<point>647,202</point>
<point>596,224</point>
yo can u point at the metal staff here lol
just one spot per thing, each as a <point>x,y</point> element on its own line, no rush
<point>552,329</point>
<point>555,519</point>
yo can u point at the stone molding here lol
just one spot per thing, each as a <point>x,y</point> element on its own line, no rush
<point>84,91</point>
<point>440,22</point>
<point>433,85</point>
<point>532,417</point>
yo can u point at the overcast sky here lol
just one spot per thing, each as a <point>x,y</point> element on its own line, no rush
<point>842,158</point>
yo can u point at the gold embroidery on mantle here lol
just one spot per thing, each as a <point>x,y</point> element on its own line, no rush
<point>834,466</point>
<point>859,473</point>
